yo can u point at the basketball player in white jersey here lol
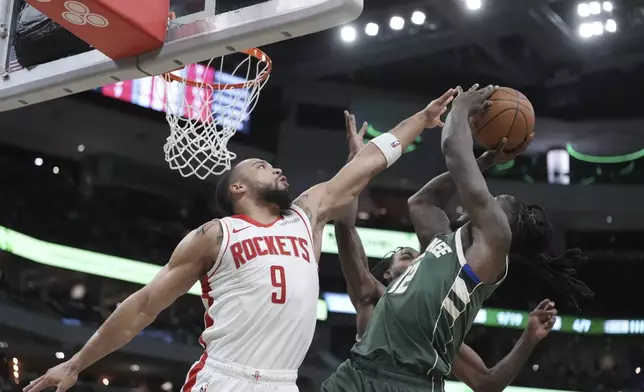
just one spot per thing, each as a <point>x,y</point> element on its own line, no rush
<point>258,272</point>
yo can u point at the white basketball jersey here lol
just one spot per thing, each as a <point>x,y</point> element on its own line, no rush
<point>261,294</point>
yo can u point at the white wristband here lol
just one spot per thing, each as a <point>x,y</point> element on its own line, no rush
<point>390,147</point>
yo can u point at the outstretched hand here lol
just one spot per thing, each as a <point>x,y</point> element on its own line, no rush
<point>62,377</point>
<point>541,320</point>
<point>474,100</point>
<point>354,137</point>
<point>500,155</point>
<point>437,107</point>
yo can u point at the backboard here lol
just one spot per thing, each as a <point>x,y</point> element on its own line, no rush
<point>202,29</point>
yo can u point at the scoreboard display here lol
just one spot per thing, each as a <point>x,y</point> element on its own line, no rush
<point>226,106</point>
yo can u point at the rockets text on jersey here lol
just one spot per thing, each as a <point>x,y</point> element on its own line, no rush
<point>261,294</point>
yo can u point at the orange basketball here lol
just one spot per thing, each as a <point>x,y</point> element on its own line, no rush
<point>511,115</point>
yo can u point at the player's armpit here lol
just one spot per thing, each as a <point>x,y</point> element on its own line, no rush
<point>429,220</point>
<point>190,260</point>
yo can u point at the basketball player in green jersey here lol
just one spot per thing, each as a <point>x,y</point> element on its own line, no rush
<point>414,335</point>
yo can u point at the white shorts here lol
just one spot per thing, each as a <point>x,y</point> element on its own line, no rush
<point>212,374</point>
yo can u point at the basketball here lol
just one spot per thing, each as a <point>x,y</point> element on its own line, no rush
<point>511,115</point>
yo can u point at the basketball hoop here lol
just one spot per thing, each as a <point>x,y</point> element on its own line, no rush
<point>205,106</point>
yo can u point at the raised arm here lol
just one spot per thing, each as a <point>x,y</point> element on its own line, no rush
<point>469,367</point>
<point>427,206</point>
<point>364,290</point>
<point>490,229</point>
<point>324,201</point>
<point>191,259</point>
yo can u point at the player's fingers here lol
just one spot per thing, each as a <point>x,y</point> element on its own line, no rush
<point>474,87</point>
<point>32,384</point>
<point>440,124</point>
<point>446,97</point>
<point>501,145</point>
<point>487,92</point>
<point>543,304</point>
<point>524,146</point>
<point>459,90</point>
<point>449,100</point>
<point>539,313</point>
<point>485,106</point>
<point>42,384</point>
<point>363,130</point>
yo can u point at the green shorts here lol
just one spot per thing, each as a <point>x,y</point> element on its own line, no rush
<point>361,375</point>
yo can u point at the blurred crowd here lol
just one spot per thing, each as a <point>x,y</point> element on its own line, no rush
<point>569,362</point>
<point>59,201</point>
<point>67,208</point>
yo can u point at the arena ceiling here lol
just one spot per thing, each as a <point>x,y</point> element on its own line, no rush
<point>530,44</point>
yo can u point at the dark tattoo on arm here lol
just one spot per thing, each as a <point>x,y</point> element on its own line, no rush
<point>304,207</point>
<point>206,226</point>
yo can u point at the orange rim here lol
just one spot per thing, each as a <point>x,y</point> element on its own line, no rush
<point>254,52</point>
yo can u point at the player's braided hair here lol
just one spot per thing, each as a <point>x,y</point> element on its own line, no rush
<point>532,233</point>
<point>379,268</point>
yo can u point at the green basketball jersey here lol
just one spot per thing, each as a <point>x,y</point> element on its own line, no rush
<point>420,322</point>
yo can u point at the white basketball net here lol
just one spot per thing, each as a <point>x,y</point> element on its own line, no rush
<point>204,116</point>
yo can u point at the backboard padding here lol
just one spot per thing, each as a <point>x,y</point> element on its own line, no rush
<point>214,36</point>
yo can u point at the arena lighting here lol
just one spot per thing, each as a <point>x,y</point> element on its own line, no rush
<point>60,355</point>
<point>105,381</point>
<point>583,10</point>
<point>55,170</point>
<point>607,6</point>
<point>638,370</point>
<point>38,161</point>
<point>135,368</point>
<point>474,4</point>
<point>77,291</point>
<point>610,26</point>
<point>371,29</point>
<point>418,17</point>
<point>16,370</point>
<point>396,22</point>
<point>166,386</point>
<point>603,159</point>
<point>592,29</point>
<point>348,34</point>
<point>80,148</point>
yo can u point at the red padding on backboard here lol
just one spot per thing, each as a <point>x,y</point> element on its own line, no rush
<point>118,28</point>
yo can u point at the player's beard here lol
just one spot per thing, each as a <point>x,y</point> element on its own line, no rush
<point>277,196</point>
